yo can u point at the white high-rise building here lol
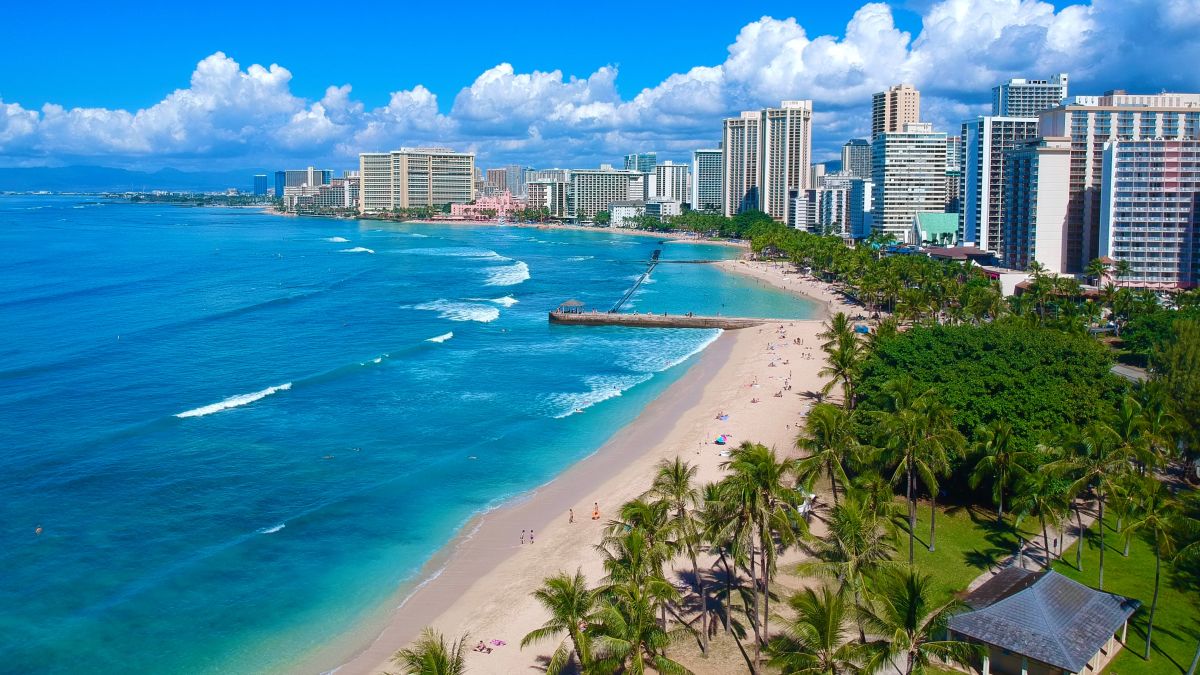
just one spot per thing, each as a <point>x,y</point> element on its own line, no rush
<point>856,158</point>
<point>981,190</point>
<point>551,195</point>
<point>1027,98</point>
<point>909,173</point>
<point>593,190</point>
<point>892,109</point>
<point>671,182</point>
<point>1092,121</point>
<point>741,145</point>
<point>707,180</point>
<point>766,158</point>
<point>415,177</point>
<point>1150,211</point>
<point>1036,191</point>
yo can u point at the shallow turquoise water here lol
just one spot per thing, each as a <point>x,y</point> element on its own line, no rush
<point>239,439</point>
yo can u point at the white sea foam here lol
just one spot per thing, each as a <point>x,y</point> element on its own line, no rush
<point>461,311</point>
<point>600,388</point>
<point>580,258</point>
<point>273,529</point>
<point>357,249</point>
<point>510,275</point>
<point>506,301</point>
<point>441,338</point>
<point>233,402</point>
<point>338,240</point>
<point>419,235</point>
<point>655,357</point>
<point>456,252</point>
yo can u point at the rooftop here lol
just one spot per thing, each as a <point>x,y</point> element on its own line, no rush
<point>1044,616</point>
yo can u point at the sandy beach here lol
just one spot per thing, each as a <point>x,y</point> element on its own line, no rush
<point>484,587</point>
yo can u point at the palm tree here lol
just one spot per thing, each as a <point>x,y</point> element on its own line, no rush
<point>1096,269</point>
<point>855,546</point>
<point>911,625</point>
<point>842,364</point>
<point>727,534</point>
<point>1043,495</point>
<point>1159,511</point>
<point>1096,459</point>
<point>758,484</point>
<point>999,461</point>
<point>628,637</point>
<point>816,641</point>
<point>673,485</point>
<point>835,329</point>
<point>828,439</point>
<point>918,439</point>
<point>430,655</point>
<point>571,606</point>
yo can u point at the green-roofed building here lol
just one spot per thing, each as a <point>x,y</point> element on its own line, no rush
<point>938,229</point>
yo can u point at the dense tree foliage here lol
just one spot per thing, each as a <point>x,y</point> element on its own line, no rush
<point>1035,379</point>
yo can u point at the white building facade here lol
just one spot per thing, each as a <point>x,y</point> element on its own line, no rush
<point>1037,193</point>
<point>707,182</point>
<point>1027,98</point>
<point>909,176</point>
<point>415,177</point>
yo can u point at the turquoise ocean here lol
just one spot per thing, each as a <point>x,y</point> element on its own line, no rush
<point>242,435</point>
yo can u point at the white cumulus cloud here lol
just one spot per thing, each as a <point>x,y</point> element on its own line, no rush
<point>248,116</point>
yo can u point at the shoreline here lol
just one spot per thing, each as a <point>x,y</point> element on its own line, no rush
<point>481,581</point>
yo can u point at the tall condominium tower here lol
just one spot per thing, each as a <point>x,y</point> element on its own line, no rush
<point>741,145</point>
<point>706,180</point>
<point>671,182</point>
<point>641,161</point>
<point>856,158</point>
<point>497,180</point>
<point>593,190</point>
<point>981,191</point>
<point>515,176</point>
<point>1150,211</point>
<point>909,173</point>
<point>260,184</point>
<point>1026,98</point>
<point>1036,181</point>
<point>415,177</point>
<point>954,149</point>
<point>892,109</point>
<point>1092,121</point>
<point>767,156</point>
<point>309,177</point>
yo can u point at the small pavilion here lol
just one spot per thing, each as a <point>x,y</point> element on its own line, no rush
<point>571,307</point>
<point>1042,623</point>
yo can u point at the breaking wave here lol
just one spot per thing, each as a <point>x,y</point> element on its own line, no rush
<point>357,249</point>
<point>461,311</point>
<point>233,402</point>
<point>441,338</point>
<point>273,529</point>
<point>338,240</point>
<point>510,275</point>
<point>600,388</point>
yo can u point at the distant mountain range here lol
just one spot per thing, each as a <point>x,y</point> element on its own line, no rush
<point>106,179</point>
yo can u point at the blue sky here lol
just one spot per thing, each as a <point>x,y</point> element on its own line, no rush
<point>262,84</point>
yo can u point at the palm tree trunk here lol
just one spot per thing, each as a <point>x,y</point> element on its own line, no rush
<point>932,519</point>
<point>754,611</point>
<point>1046,540</point>
<point>728,589</point>
<point>832,482</point>
<point>703,606</point>
<point>1100,584</point>
<point>766,573</point>
<point>912,518</point>
<point>1079,539</point>
<point>1153,603</point>
<point>1000,501</point>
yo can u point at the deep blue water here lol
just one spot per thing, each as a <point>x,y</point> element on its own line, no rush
<point>239,440</point>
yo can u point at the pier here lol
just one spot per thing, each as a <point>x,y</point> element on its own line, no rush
<point>578,318</point>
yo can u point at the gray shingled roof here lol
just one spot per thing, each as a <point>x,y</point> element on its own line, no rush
<point>1056,621</point>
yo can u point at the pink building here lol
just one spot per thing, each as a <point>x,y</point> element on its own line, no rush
<point>489,208</point>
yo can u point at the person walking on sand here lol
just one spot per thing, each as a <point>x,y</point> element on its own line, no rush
<point>596,511</point>
<point>522,537</point>
<point>571,519</point>
<point>531,536</point>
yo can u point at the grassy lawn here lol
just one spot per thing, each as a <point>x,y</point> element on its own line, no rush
<point>968,542</point>
<point>1177,623</point>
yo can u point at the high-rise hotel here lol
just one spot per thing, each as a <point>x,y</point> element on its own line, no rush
<point>706,180</point>
<point>909,176</point>
<point>415,177</point>
<point>1091,122</point>
<point>767,154</point>
<point>894,108</point>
